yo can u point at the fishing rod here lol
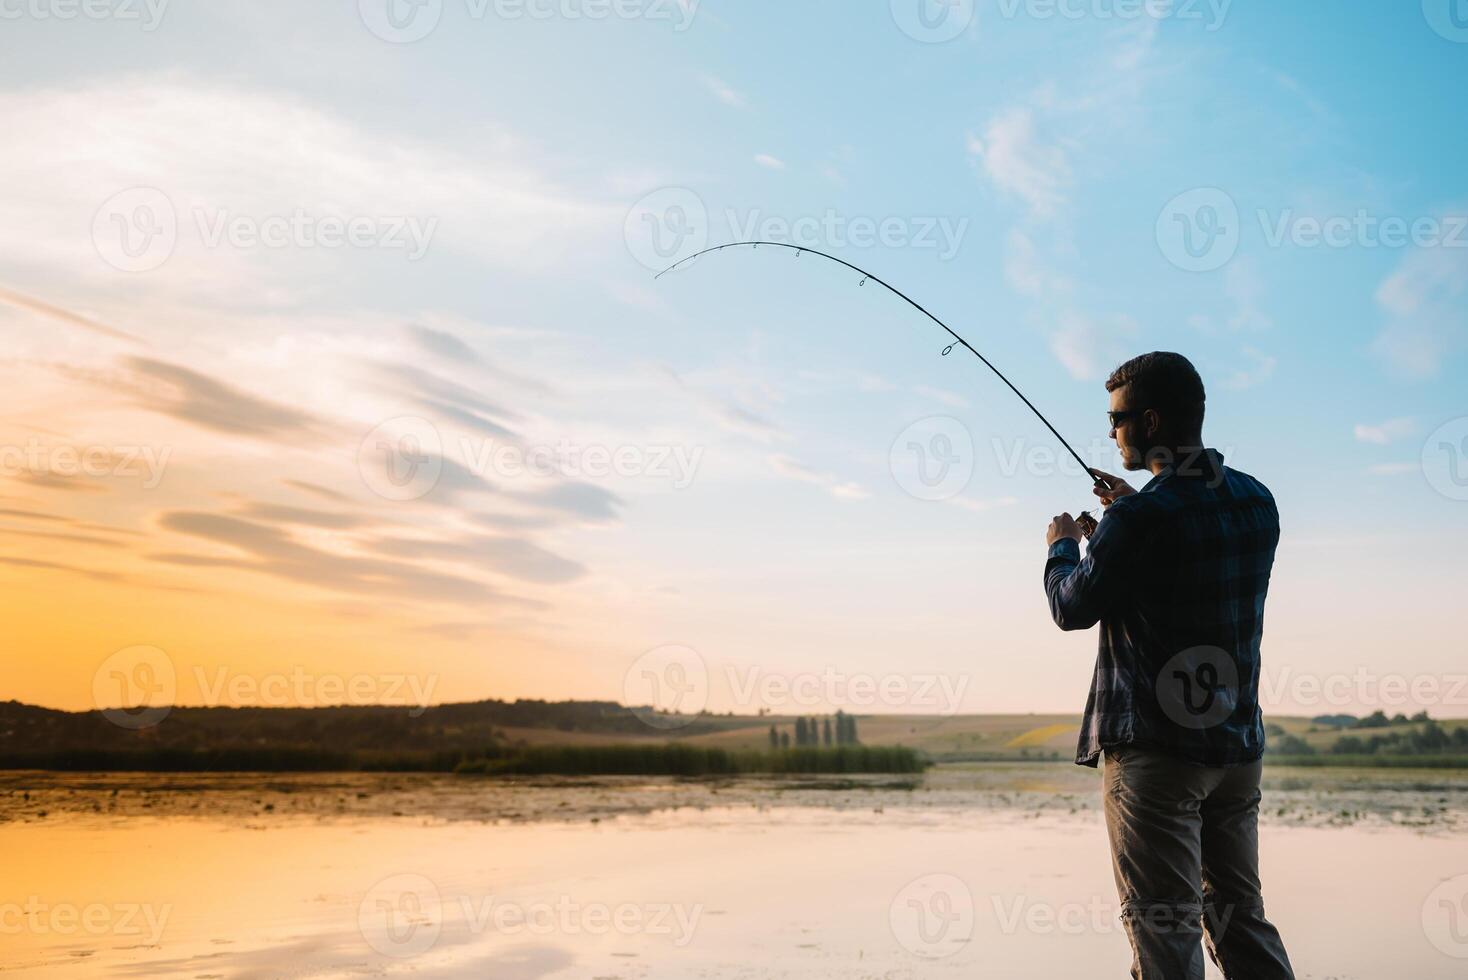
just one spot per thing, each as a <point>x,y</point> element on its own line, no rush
<point>957,340</point>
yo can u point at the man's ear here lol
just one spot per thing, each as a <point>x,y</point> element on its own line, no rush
<point>1154,423</point>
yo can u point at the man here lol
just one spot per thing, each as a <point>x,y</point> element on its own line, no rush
<point>1176,575</point>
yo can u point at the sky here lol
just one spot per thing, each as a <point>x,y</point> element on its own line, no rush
<point>336,370</point>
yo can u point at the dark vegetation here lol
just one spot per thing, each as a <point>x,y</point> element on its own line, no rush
<point>468,737</point>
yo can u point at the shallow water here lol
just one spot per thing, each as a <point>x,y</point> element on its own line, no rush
<point>993,871</point>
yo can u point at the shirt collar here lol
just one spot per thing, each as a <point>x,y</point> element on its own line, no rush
<point>1207,464</point>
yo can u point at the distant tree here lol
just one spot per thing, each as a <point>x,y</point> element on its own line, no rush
<point>1399,719</point>
<point>845,729</point>
<point>774,738</point>
<point>1286,744</point>
<point>1377,719</point>
<point>1348,745</point>
<point>1273,729</point>
<point>826,732</point>
<point>784,740</point>
<point>1421,716</point>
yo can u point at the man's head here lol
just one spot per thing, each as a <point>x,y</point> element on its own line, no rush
<point>1156,407</point>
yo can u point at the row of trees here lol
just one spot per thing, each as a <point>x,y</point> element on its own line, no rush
<point>839,729</point>
<point>1429,739</point>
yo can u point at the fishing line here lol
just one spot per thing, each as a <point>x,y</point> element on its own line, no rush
<point>957,340</point>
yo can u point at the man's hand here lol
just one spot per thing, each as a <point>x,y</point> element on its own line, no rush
<point>1063,526</point>
<point>1115,487</point>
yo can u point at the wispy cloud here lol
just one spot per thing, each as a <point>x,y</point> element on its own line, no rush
<point>723,92</point>
<point>769,162</point>
<point>1260,369</point>
<point>1019,161</point>
<point>793,469</point>
<point>1425,302</point>
<point>1382,433</point>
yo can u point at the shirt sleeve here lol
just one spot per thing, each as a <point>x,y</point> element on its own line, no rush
<point>1081,590</point>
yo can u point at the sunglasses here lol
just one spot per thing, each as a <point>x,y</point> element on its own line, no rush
<point>1117,418</point>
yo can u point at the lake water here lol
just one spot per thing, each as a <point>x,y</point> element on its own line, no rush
<point>970,871</point>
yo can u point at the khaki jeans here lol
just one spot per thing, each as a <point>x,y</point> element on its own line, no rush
<point>1185,851</point>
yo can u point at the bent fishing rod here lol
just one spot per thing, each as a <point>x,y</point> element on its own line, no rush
<point>957,340</point>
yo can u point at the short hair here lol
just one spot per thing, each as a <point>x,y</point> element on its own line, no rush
<point>1166,382</point>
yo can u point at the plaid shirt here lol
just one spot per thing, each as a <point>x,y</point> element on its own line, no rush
<point>1176,575</point>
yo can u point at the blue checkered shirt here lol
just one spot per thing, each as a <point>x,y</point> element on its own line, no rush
<point>1176,574</point>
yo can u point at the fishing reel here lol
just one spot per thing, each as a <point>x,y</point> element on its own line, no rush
<point>1086,523</point>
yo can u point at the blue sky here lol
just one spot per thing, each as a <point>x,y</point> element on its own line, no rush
<point>1061,153</point>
